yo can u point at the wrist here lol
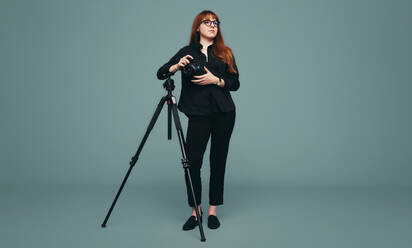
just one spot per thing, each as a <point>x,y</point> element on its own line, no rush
<point>174,68</point>
<point>219,82</point>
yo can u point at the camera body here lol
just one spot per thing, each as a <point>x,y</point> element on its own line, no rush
<point>194,68</point>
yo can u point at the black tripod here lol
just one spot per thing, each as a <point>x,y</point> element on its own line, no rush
<point>171,101</point>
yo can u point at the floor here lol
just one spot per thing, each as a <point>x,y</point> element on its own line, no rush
<point>252,216</point>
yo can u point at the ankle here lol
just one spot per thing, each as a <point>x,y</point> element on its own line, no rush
<point>212,210</point>
<point>194,211</point>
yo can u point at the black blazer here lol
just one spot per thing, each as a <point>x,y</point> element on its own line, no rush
<point>204,99</point>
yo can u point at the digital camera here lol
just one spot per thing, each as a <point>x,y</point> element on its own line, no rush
<point>194,68</point>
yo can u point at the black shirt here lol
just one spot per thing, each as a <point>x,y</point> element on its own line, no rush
<point>204,99</point>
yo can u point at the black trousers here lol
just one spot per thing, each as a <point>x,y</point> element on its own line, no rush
<point>219,127</point>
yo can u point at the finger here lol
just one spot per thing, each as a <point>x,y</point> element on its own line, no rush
<point>206,69</point>
<point>189,56</point>
<point>200,76</point>
<point>196,80</point>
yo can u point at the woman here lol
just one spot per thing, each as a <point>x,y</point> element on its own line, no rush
<point>207,102</point>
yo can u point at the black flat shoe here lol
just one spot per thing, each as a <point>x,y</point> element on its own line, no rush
<point>191,223</point>
<point>213,222</point>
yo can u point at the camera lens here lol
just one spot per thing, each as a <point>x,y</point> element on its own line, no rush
<point>193,68</point>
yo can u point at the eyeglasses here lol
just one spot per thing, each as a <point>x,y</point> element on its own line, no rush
<point>209,23</point>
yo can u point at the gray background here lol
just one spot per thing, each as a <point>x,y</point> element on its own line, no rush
<point>324,103</point>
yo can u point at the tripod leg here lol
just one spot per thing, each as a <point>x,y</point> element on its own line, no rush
<point>186,164</point>
<point>136,156</point>
<point>149,128</point>
<point>169,120</point>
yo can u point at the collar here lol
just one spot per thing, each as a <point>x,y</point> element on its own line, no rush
<point>199,46</point>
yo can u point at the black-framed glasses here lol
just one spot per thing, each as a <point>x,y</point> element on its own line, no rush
<point>209,23</point>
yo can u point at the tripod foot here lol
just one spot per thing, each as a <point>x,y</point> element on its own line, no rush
<point>203,239</point>
<point>103,225</point>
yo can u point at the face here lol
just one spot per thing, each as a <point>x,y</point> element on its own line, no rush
<point>208,29</point>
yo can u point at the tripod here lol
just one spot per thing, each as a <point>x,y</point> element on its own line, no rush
<point>171,101</point>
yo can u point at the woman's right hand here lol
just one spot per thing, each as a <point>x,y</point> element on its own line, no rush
<point>182,63</point>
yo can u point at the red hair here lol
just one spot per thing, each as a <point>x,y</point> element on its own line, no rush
<point>220,49</point>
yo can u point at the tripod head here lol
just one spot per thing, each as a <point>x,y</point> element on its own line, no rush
<point>169,84</point>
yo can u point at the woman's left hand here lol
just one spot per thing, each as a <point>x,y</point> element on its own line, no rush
<point>207,78</point>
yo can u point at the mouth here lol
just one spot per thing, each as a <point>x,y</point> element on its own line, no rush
<point>212,31</point>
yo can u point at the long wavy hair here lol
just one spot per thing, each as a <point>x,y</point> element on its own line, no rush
<point>220,49</point>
